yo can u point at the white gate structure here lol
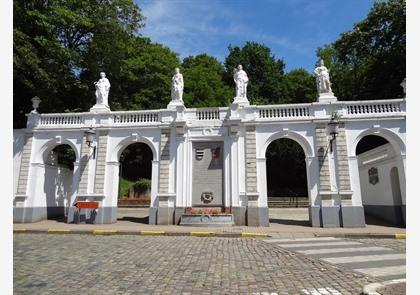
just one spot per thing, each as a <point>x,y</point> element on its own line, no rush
<point>328,132</point>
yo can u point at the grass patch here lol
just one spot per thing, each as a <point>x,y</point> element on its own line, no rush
<point>124,187</point>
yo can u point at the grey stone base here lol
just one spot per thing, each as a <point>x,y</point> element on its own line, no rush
<point>102,215</point>
<point>153,215</point>
<point>206,220</point>
<point>239,215</point>
<point>353,216</point>
<point>330,216</point>
<point>315,216</point>
<point>392,214</point>
<point>177,216</point>
<point>257,216</point>
<point>165,215</point>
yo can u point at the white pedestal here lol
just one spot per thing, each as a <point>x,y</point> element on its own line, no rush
<point>327,97</point>
<point>175,103</point>
<point>100,108</point>
<point>241,101</point>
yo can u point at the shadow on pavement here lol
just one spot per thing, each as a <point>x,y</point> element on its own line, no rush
<point>290,222</point>
<point>144,220</point>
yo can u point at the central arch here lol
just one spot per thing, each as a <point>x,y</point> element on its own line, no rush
<point>134,196</point>
<point>296,194</point>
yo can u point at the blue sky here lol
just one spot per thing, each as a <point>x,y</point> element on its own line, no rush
<point>293,29</point>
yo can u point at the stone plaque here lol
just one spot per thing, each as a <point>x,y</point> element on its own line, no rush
<point>373,175</point>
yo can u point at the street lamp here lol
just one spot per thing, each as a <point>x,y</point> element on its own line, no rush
<point>89,136</point>
<point>334,128</point>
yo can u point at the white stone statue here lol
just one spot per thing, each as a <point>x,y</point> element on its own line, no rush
<point>241,80</point>
<point>102,90</point>
<point>177,86</point>
<point>322,78</point>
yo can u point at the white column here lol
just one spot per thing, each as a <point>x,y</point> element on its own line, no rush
<point>180,177</point>
<point>262,182</point>
<point>356,199</point>
<point>75,183</point>
<point>234,184</point>
<point>111,184</point>
<point>155,183</point>
<point>227,184</point>
<point>401,175</point>
<point>312,178</point>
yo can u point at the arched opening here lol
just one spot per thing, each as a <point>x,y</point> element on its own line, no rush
<point>134,189</point>
<point>58,178</point>
<point>287,188</point>
<point>379,181</point>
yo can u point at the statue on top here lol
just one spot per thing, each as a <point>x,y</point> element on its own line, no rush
<point>177,86</point>
<point>241,80</point>
<point>102,90</point>
<point>322,75</point>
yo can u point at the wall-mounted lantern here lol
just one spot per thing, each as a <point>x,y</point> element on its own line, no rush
<point>334,122</point>
<point>90,136</point>
<point>35,104</point>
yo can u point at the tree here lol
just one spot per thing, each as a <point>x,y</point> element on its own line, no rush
<point>265,72</point>
<point>368,62</point>
<point>51,40</point>
<point>204,85</point>
<point>299,87</point>
<point>143,80</point>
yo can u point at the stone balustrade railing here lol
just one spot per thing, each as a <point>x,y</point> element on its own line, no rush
<point>361,108</point>
<point>60,119</point>
<point>263,113</point>
<point>283,111</point>
<point>135,117</point>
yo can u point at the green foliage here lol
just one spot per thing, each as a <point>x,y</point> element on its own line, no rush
<point>286,169</point>
<point>203,79</point>
<point>265,72</point>
<point>143,184</point>
<point>136,162</point>
<point>299,87</point>
<point>369,61</point>
<point>55,43</point>
<point>124,187</point>
<point>65,156</point>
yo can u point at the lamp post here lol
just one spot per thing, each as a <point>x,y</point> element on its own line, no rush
<point>89,136</point>
<point>334,128</point>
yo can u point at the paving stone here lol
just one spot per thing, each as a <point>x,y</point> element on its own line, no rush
<point>84,264</point>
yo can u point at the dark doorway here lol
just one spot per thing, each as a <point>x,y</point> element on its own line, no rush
<point>134,187</point>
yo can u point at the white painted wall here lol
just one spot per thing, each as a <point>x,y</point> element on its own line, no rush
<point>384,159</point>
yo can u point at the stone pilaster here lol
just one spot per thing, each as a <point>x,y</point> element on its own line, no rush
<point>24,165</point>
<point>164,160</point>
<point>100,162</point>
<point>342,160</point>
<point>251,160</point>
<point>84,169</point>
<point>322,150</point>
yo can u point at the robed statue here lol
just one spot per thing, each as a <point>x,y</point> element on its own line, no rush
<point>102,90</point>
<point>322,78</point>
<point>241,80</point>
<point>177,86</point>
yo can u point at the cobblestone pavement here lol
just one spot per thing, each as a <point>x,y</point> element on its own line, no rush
<point>395,289</point>
<point>383,259</point>
<point>118,264</point>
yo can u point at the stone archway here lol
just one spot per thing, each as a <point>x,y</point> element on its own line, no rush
<point>380,167</point>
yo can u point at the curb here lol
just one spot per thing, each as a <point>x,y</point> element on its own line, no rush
<point>372,288</point>
<point>364,235</point>
<point>142,233</point>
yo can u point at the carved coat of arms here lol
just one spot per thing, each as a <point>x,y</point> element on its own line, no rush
<point>373,175</point>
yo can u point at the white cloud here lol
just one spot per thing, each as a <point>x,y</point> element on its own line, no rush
<point>191,27</point>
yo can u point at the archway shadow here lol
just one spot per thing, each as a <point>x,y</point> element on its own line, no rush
<point>144,220</point>
<point>290,222</point>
